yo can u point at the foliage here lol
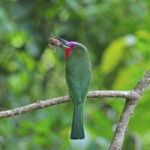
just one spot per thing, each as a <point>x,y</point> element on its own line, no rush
<point>117,34</point>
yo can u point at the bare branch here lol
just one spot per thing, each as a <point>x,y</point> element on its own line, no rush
<point>54,101</point>
<point>127,112</point>
<point>143,84</point>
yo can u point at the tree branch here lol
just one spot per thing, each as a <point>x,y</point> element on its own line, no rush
<point>128,110</point>
<point>54,101</point>
<point>132,97</point>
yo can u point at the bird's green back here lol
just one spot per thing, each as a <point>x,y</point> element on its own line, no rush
<point>78,74</point>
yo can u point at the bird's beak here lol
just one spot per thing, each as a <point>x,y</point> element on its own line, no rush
<point>58,42</point>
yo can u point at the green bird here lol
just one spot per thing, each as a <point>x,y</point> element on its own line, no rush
<point>78,76</point>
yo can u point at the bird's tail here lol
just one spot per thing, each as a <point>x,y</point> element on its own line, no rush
<point>77,131</point>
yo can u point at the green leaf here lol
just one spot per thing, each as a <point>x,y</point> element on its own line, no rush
<point>112,55</point>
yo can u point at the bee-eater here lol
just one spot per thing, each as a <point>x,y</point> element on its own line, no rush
<point>78,76</point>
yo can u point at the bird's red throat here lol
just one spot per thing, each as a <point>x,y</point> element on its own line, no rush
<point>68,51</point>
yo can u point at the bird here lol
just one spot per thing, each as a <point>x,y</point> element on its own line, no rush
<point>78,77</point>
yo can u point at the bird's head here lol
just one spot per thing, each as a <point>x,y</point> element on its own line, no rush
<point>63,43</point>
<point>68,45</point>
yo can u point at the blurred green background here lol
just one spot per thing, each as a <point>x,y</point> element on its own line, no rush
<point>117,35</point>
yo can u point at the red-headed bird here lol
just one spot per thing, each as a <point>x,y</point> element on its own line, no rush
<point>78,76</point>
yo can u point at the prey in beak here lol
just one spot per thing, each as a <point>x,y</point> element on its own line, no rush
<point>58,42</point>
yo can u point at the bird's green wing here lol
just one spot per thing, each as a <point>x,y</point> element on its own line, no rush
<point>72,91</point>
<point>85,91</point>
<point>77,97</point>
